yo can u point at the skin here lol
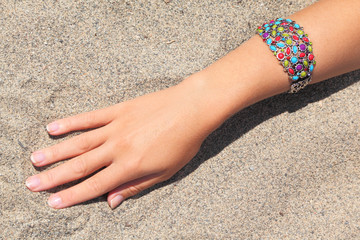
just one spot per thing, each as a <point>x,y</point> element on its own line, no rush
<point>146,140</point>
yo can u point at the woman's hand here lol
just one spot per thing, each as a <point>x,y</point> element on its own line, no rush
<point>139,143</point>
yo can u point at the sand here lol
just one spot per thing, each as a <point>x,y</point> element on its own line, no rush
<point>285,168</point>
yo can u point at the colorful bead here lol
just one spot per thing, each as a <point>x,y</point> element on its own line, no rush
<point>273,48</point>
<point>295,78</point>
<point>294,59</point>
<point>280,45</point>
<point>288,51</point>
<point>286,63</point>
<point>296,25</point>
<point>302,55</point>
<point>305,39</point>
<point>295,49</point>
<point>300,32</point>
<point>296,38</point>
<point>273,33</point>
<point>278,38</point>
<point>265,35</point>
<point>305,63</point>
<point>303,74</point>
<point>299,67</point>
<point>311,57</point>
<point>285,35</point>
<point>289,42</point>
<point>269,41</point>
<point>280,56</point>
<point>310,48</point>
<point>311,68</point>
<point>302,47</point>
<point>280,29</point>
<point>291,71</point>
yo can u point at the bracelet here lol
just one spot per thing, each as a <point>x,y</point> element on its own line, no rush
<point>292,48</point>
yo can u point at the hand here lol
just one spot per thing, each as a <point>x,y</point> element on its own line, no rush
<point>139,143</point>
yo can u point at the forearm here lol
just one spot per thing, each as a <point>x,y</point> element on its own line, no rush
<point>251,73</point>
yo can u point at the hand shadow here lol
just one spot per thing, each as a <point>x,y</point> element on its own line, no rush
<point>247,119</point>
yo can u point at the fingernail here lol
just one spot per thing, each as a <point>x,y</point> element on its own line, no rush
<point>52,127</point>
<point>116,201</point>
<point>54,201</point>
<point>32,182</point>
<point>37,157</point>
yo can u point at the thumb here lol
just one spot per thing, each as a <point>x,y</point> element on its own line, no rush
<point>119,194</point>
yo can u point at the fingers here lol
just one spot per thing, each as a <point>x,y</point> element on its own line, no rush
<point>119,194</point>
<point>81,121</point>
<point>69,148</point>
<point>95,186</point>
<point>74,169</point>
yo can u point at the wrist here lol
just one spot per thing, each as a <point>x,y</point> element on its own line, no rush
<point>243,77</point>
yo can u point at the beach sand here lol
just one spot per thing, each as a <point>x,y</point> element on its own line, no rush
<point>285,168</point>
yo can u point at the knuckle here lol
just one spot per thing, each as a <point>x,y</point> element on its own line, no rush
<point>50,178</point>
<point>79,166</point>
<point>54,152</point>
<point>94,185</point>
<point>89,119</point>
<point>133,190</point>
<point>82,143</point>
<point>66,122</point>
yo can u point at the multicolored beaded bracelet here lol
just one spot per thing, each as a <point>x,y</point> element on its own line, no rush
<point>292,47</point>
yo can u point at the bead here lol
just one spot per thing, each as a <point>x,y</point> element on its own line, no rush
<point>289,20</point>
<point>267,29</point>
<point>303,74</point>
<point>269,41</point>
<point>302,47</point>
<point>296,25</point>
<point>280,45</point>
<point>265,35</point>
<point>310,48</point>
<point>302,55</point>
<point>311,57</point>
<point>291,71</point>
<point>295,78</point>
<point>280,56</point>
<point>277,38</point>
<point>291,28</point>
<point>300,32</point>
<point>305,39</point>
<point>286,63</point>
<point>289,42</point>
<point>299,67</point>
<point>283,24</point>
<point>288,51</point>
<point>266,25</point>
<point>274,26</point>
<point>285,35</point>
<point>295,37</point>
<point>294,59</point>
<point>295,49</point>
<point>280,29</point>
<point>273,33</point>
<point>311,68</point>
<point>279,19</point>
<point>305,63</point>
<point>273,48</point>
<point>277,22</point>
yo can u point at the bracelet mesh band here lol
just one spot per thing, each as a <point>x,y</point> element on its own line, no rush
<point>293,49</point>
